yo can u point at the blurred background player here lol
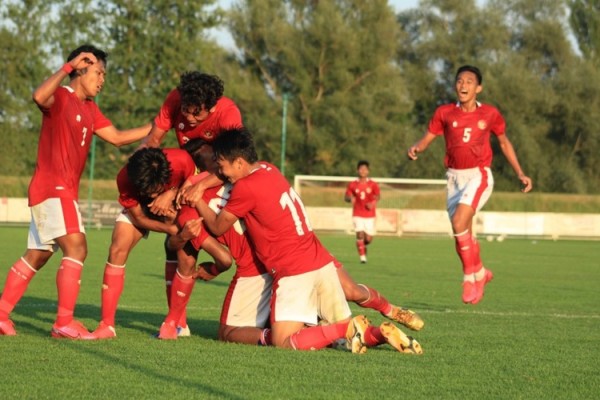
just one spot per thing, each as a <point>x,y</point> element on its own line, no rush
<point>466,126</point>
<point>363,193</point>
<point>70,118</point>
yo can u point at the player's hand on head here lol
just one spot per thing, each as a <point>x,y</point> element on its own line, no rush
<point>83,60</point>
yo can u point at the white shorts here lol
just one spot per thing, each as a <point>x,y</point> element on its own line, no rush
<point>247,302</point>
<point>52,219</point>
<point>124,217</point>
<point>310,296</point>
<point>366,225</point>
<point>472,187</point>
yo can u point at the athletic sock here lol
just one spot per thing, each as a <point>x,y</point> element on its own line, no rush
<point>479,275</point>
<point>373,336</point>
<point>375,301</point>
<point>170,270</point>
<point>68,281</point>
<point>464,248</point>
<point>360,246</point>
<point>181,290</point>
<point>477,264</point>
<point>112,287</point>
<point>318,337</point>
<point>17,281</point>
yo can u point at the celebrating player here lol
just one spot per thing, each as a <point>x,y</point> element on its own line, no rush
<point>70,118</point>
<point>305,282</point>
<point>466,126</point>
<point>148,173</point>
<point>364,195</point>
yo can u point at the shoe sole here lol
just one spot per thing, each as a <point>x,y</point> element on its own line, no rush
<point>416,323</point>
<point>399,340</point>
<point>355,338</point>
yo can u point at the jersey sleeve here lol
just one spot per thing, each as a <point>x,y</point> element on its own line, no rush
<point>127,197</point>
<point>166,115</point>
<point>436,124</point>
<point>498,127</point>
<point>100,121</point>
<point>241,201</point>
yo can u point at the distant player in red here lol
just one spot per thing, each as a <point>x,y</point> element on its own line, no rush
<point>305,282</point>
<point>466,126</point>
<point>70,118</point>
<point>364,194</point>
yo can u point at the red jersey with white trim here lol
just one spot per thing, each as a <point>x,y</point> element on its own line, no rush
<point>226,115</point>
<point>64,144</point>
<point>467,134</point>
<point>181,164</point>
<point>363,193</point>
<point>247,264</point>
<point>277,223</point>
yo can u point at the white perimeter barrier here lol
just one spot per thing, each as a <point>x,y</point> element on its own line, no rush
<point>389,221</point>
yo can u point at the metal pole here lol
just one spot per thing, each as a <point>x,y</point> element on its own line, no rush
<point>283,132</point>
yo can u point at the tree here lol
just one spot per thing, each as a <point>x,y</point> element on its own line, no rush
<point>334,59</point>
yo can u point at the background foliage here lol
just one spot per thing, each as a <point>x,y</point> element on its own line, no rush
<point>361,81</point>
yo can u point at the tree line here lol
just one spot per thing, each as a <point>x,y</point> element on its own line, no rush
<point>358,81</point>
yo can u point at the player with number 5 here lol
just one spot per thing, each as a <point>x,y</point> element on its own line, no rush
<point>466,126</point>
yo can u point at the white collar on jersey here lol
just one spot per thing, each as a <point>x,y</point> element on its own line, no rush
<point>69,88</point>
<point>478,104</point>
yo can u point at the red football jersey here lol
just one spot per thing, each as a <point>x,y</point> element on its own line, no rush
<point>277,223</point>
<point>226,115</point>
<point>467,134</point>
<point>64,144</point>
<point>182,167</point>
<point>247,264</point>
<point>363,193</point>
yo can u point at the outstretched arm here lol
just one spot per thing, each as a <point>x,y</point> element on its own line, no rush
<point>119,138</point>
<point>421,145</point>
<point>154,138</point>
<point>509,152</point>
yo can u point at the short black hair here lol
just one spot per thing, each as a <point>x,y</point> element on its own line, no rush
<point>192,148</point>
<point>148,171</point>
<point>361,163</point>
<point>470,68</point>
<point>233,143</point>
<point>87,48</point>
<point>198,89</point>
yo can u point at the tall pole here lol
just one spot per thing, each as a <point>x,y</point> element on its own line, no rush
<point>283,132</point>
<point>91,177</point>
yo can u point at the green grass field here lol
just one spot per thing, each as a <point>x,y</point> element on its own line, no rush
<point>534,336</point>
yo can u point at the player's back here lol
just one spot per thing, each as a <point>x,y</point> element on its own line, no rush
<point>277,223</point>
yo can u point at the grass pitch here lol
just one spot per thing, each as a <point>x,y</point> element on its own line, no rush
<point>535,335</point>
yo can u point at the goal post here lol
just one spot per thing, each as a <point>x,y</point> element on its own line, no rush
<point>396,193</point>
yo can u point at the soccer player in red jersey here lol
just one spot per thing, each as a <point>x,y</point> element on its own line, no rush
<point>363,193</point>
<point>466,126</point>
<point>70,118</point>
<point>305,283</point>
<point>148,173</point>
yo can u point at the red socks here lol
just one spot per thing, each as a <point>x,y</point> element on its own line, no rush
<point>464,248</point>
<point>181,290</point>
<point>170,269</point>
<point>360,246</point>
<point>17,280</point>
<point>112,287</point>
<point>375,301</point>
<point>318,337</point>
<point>67,283</point>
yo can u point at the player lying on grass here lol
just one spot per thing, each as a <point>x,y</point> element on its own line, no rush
<point>70,119</point>
<point>304,277</point>
<point>148,173</point>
